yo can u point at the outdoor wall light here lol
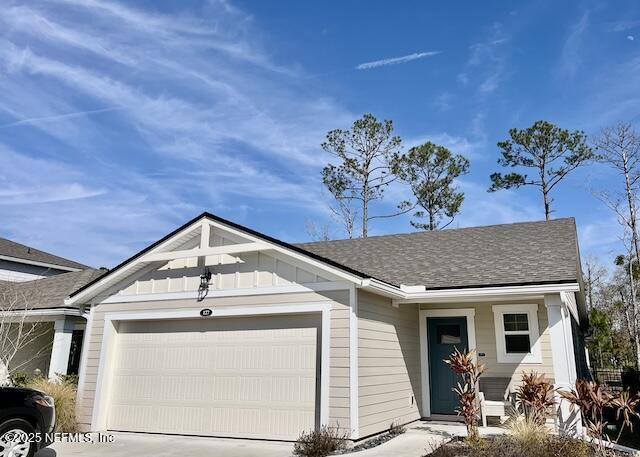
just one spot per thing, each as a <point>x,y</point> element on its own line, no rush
<point>203,289</point>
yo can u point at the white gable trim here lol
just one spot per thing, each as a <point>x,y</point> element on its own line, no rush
<point>306,259</point>
<point>250,243</point>
<point>116,276</point>
<point>218,250</point>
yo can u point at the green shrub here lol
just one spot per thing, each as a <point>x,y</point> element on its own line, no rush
<point>64,397</point>
<point>68,378</point>
<point>22,378</point>
<point>320,443</point>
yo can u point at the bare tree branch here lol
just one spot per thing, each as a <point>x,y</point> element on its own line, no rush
<point>18,329</point>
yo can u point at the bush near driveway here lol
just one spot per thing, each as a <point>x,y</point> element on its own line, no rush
<point>320,443</point>
<point>64,397</point>
<point>22,378</point>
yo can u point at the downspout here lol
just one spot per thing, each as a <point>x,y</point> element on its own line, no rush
<point>571,362</point>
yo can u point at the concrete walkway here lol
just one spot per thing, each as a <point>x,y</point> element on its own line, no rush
<point>422,438</point>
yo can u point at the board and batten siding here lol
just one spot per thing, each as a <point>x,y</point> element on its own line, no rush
<point>243,271</point>
<point>486,341</point>
<point>389,363</point>
<point>339,344</point>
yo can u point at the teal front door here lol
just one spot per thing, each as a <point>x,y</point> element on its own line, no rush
<point>445,334</point>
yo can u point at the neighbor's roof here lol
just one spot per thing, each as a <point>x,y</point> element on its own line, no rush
<point>496,255</point>
<point>20,251</point>
<point>50,292</point>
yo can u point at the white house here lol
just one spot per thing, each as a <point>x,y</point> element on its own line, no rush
<point>217,329</point>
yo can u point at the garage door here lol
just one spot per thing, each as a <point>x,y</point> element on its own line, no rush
<point>255,377</point>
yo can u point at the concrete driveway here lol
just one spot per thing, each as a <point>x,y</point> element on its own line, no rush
<point>420,438</point>
<point>139,445</point>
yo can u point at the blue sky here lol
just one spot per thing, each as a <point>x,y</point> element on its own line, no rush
<point>120,121</point>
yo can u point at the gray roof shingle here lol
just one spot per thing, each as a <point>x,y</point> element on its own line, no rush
<point>508,254</point>
<point>12,249</point>
<point>50,292</point>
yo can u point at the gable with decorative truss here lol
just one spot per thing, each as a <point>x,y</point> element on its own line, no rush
<point>234,260</point>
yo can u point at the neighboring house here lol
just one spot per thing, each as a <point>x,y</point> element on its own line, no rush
<point>33,287</point>
<point>23,263</point>
<point>219,330</point>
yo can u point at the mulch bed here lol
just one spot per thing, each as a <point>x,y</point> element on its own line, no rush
<point>372,442</point>
<point>506,446</point>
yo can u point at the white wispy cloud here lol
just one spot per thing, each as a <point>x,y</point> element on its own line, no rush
<point>572,52</point>
<point>32,181</point>
<point>630,37</point>
<point>457,144</point>
<point>57,117</point>
<point>444,102</point>
<point>483,208</point>
<point>622,26</point>
<point>613,96</point>
<point>396,60</point>
<point>485,67</point>
<point>19,195</point>
<point>201,118</point>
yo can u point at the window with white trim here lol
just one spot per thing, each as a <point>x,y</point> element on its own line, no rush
<point>517,333</point>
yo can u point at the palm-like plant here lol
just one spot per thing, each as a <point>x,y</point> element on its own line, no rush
<point>592,399</point>
<point>627,407</point>
<point>464,363</point>
<point>534,397</point>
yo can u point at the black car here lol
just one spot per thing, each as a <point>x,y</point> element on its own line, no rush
<point>27,421</point>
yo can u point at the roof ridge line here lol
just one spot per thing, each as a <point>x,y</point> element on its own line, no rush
<point>505,224</point>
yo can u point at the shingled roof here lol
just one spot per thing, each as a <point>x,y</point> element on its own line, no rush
<point>50,292</point>
<point>10,248</point>
<point>510,254</point>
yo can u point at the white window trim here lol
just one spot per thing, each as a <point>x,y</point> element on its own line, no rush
<point>535,356</point>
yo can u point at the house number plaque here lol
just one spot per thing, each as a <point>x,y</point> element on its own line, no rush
<point>206,312</point>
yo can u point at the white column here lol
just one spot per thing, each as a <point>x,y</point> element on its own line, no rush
<point>4,375</point>
<point>61,347</point>
<point>564,365</point>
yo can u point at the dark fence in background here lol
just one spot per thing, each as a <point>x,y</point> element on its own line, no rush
<point>610,377</point>
<point>617,379</point>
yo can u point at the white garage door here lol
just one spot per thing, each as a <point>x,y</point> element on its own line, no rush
<point>253,377</point>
